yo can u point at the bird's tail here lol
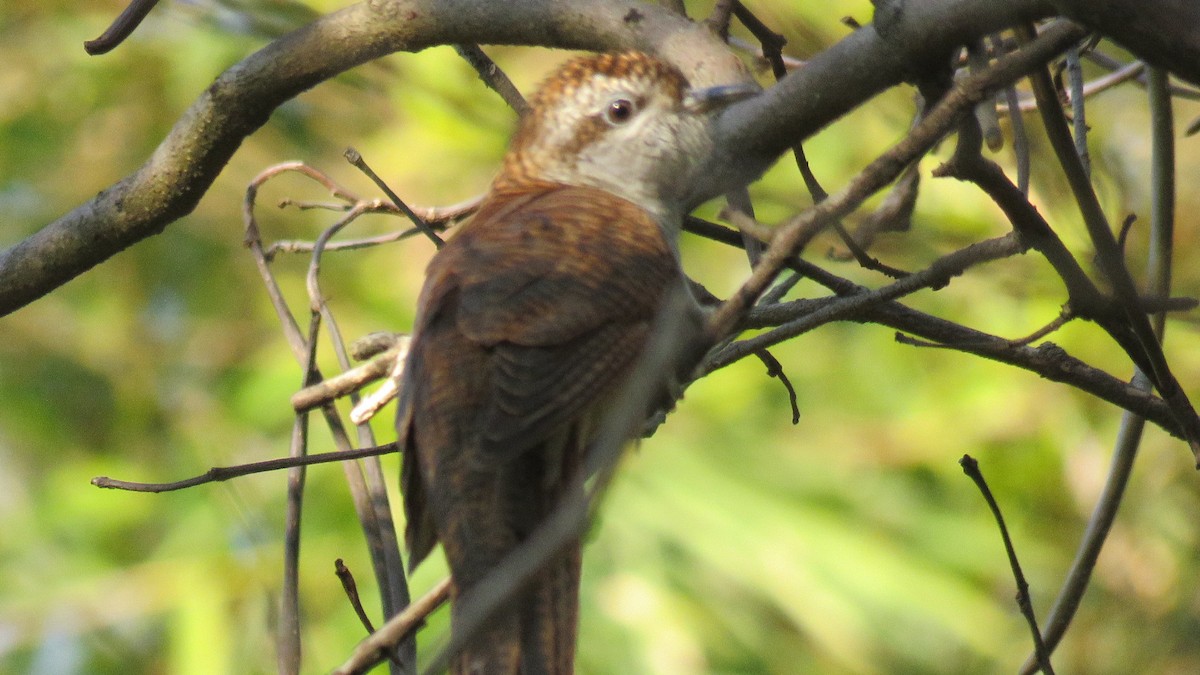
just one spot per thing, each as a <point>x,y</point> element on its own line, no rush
<point>536,633</point>
<point>550,617</point>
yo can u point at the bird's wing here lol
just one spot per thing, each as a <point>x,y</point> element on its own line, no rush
<point>562,288</point>
<point>536,309</point>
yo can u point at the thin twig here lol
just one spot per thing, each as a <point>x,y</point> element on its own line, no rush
<point>775,369</point>
<point>288,639</point>
<point>1046,360</point>
<point>751,229</point>
<point>1126,228</point>
<point>1162,204</point>
<point>1113,64</point>
<point>884,169</point>
<point>1020,139</point>
<point>771,44</point>
<point>780,289</point>
<point>493,76</point>
<point>789,62</point>
<point>438,218</point>
<point>359,163</point>
<point>121,28</point>
<point>342,384</point>
<point>985,112</point>
<point>894,214</point>
<point>398,628</point>
<point>1020,144</point>
<point>968,164</point>
<point>1065,315</point>
<point>1132,71</point>
<point>937,274</point>
<point>336,190</point>
<point>1140,344</point>
<point>289,620</point>
<point>223,473</point>
<point>971,467</point>
<point>739,206</point>
<point>368,487</point>
<point>350,587</point>
<point>1078,109</point>
<point>1059,321</point>
<point>1162,225</point>
<point>297,246</point>
<point>366,408</point>
<point>389,572</point>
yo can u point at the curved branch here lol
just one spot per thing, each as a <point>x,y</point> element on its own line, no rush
<point>121,27</point>
<point>1046,360</point>
<point>1162,33</point>
<point>169,185</point>
<point>906,36</point>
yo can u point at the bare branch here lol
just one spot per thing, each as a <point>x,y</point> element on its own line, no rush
<point>367,484</point>
<point>1134,333</point>
<point>866,62</point>
<point>396,630</point>
<point>775,369</point>
<point>122,27</point>
<point>350,587</point>
<point>884,169</point>
<point>169,185</point>
<point>340,385</point>
<point>1161,33</point>
<point>817,313</point>
<point>1162,219</point>
<point>491,75</point>
<point>359,163</point>
<point>970,466</point>
<point>288,638</point>
<point>223,473</point>
<point>1047,360</point>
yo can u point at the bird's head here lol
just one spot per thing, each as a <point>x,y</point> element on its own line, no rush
<point>627,123</point>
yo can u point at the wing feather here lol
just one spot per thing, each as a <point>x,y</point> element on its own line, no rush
<point>560,284</point>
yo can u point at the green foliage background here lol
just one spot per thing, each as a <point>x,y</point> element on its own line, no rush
<point>731,542</point>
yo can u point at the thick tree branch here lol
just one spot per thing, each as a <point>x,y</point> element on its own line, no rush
<point>169,185</point>
<point>791,237</point>
<point>870,60</point>
<point>1161,32</point>
<point>905,38</point>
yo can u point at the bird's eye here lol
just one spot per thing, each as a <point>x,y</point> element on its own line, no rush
<point>620,111</point>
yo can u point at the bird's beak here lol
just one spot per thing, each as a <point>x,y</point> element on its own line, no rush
<point>712,99</point>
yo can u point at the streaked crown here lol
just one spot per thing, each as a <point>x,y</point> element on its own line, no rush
<point>617,122</point>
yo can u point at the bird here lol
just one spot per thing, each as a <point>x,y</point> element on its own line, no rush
<point>532,317</point>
